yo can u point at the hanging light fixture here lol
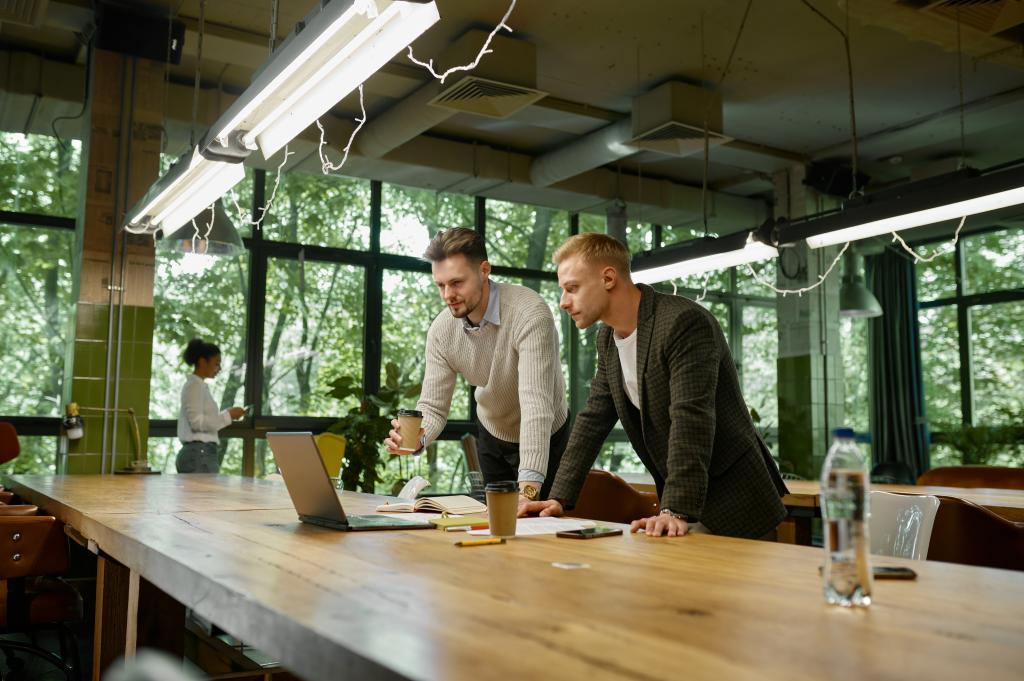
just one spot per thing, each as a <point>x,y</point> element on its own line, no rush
<point>855,300</point>
<point>194,182</point>
<point>965,192</point>
<point>702,255</point>
<point>336,48</point>
<point>213,234</point>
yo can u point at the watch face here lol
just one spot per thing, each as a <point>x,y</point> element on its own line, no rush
<point>530,492</point>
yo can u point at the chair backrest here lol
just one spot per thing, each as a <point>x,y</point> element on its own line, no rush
<point>1000,477</point>
<point>469,449</point>
<point>19,509</point>
<point>606,496</point>
<point>892,473</point>
<point>332,451</point>
<point>901,524</point>
<point>10,447</point>
<point>973,535</point>
<point>473,472</point>
<point>32,546</point>
<point>6,497</point>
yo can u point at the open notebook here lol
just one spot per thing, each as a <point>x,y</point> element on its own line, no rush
<point>458,504</point>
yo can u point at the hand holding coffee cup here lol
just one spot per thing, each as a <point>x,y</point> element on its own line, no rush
<point>406,432</point>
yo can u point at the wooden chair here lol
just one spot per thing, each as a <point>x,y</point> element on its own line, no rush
<point>1000,477</point>
<point>608,497</point>
<point>33,550</point>
<point>6,498</point>
<point>10,447</point>
<point>18,510</point>
<point>973,535</point>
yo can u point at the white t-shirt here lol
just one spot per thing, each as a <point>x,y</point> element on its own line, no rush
<point>627,358</point>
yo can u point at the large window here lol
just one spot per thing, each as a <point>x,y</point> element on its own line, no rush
<point>39,195</point>
<point>39,174</point>
<point>971,323</point>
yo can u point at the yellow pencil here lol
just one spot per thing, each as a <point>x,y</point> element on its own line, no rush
<point>480,542</point>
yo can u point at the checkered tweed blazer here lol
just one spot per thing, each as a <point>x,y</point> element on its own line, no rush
<point>693,430</point>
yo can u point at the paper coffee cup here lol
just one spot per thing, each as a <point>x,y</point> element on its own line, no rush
<point>502,506</point>
<point>409,423</point>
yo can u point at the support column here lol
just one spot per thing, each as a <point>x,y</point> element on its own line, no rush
<point>810,385</point>
<point>110,360</point>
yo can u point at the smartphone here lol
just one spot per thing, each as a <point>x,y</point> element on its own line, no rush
<point>892,572</point>
<point>589,533</point>
<point>888,572</point>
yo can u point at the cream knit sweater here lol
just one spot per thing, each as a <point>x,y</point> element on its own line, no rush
<point>514,366</point>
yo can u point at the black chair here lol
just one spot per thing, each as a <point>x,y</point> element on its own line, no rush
<point>892,473</point>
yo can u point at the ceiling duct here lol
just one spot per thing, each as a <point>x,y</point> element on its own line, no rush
<point>23,12</point>
<point>503,83</point>
<point>670,119</point>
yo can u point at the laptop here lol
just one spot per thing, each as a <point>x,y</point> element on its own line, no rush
<point>312,493</point>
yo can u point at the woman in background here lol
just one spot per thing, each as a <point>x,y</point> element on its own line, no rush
<point>200,419</point>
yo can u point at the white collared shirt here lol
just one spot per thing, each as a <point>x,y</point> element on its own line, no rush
<point>199,418</point>
<point>627,359</point>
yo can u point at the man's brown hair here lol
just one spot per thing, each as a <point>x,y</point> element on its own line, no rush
<point>596,249</point>
<point>457,241</point>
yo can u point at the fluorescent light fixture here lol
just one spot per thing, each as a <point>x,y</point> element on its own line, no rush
<point>193,183</point>
<point>917,204</point>
<point>335,50</point>
<point>700,256</point>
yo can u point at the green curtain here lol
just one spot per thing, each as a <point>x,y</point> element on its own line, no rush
<point>899,427</point>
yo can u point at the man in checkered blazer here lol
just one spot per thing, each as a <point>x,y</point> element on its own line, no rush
<point>664,370</point>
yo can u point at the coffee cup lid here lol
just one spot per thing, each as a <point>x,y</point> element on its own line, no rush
<point>410,412</point>
<point>502,486</point>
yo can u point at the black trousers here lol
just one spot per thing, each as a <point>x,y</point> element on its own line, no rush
<point>499,460</point>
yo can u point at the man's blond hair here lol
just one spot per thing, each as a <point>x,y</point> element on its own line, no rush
<point>596,249</point>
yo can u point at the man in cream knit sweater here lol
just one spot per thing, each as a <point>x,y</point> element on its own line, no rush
<point>502,339</point>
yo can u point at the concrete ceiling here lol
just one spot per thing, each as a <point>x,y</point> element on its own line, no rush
<point>785,100</point>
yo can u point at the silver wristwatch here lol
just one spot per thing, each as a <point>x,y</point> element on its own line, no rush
<point>677,516</point>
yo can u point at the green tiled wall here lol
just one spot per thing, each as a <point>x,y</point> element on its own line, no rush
<point>89,388</point>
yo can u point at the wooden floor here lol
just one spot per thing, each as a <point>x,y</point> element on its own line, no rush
<point>411,605</point>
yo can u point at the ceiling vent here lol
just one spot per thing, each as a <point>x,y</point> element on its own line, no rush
<point>502,83</point>
<point>23,12</point>
<point>670,119</point>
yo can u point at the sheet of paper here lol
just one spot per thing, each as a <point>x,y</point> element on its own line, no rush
<point>532,526</point>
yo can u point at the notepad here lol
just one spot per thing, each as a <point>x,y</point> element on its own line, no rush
<point>457,504</point>
<point>457,521</point>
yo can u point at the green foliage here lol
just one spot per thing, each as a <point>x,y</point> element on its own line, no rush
<point>366,426</point>
<point>988,445</point>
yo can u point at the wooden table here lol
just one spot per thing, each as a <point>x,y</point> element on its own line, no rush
<point>409,605</point>
<point>1008,503</point>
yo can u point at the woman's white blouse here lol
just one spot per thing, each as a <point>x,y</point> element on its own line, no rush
<point>199,419</point>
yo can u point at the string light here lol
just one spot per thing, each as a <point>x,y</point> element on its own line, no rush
<point>806,289</point>
<point>264,210</point>
<point>938,251</point>
<point>429,66</point>
<point>325,163</point>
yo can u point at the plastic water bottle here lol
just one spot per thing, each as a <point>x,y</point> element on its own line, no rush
<point>844,513</point>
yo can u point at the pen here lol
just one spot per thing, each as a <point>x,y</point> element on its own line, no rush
<point>480,542</point>
<point>464,528</point>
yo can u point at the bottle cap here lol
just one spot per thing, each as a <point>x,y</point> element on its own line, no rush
<point>844,432</point>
